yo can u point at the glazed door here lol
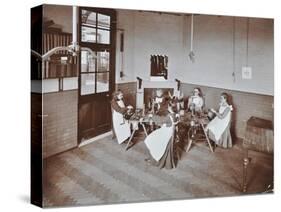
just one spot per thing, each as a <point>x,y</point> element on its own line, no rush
<point>97,71</point>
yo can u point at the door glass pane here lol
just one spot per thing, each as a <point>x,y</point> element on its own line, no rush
<point>88,62</point>
<point>88,34</point>
<point>88,18</point>
<point>103,36</point>
<point>103,21</point>
<point>103,61</point>
<point>102,82</point>
<point>87,84</point>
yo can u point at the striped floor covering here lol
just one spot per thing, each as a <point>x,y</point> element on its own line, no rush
<point>103,172</point>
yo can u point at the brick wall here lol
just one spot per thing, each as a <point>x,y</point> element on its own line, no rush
<point>245,105</point>
<point>36,122</point>
<point>59,121</point>
<point>60,124</point>
<point>130,91</point>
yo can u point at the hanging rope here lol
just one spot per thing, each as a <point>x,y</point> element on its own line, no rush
<point>191,53</point>
<point>247,42</point>
<point>233,43</point>
<point>191,34</point>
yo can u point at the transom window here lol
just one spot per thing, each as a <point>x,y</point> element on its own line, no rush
<point>95,27</point>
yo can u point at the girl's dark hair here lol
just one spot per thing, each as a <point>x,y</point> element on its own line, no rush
<point>225,96</point>
<point>115,94</point>
<point>199,89</point>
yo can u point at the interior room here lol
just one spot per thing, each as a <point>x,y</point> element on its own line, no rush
<point>89,57</point>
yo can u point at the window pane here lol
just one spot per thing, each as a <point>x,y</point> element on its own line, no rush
<point>87,84</point>
<point>103,36</point>
<point>103,61</point>
<point>88,62</point>
<point>102,82</point>
<point>103,21</point>
<point>88,18</point>
<point>88,34</point>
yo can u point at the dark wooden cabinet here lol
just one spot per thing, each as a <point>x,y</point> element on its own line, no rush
<point>258,137</point>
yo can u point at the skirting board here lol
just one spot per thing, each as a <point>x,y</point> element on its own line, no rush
<point>94,139</point>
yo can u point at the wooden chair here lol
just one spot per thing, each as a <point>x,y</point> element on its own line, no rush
<point>194,134</point>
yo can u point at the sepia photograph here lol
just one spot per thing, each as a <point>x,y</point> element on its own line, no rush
<point>132,106</point>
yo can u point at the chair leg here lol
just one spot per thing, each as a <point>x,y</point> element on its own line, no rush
<point>177,148</point>
<point>207,138</point>
<point>132,135</point>
<point>113,134</point>
<point>144,129</point>
<point>178,153</point>
<point>245,167</point>
<point>189,145</point>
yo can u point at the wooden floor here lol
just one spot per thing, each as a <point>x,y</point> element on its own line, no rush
<point>103,172</point>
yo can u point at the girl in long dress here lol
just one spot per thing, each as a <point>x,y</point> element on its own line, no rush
<point>219,128</point>
<point>121,127</point>
<point>160,143</point>
<point>160,103</point>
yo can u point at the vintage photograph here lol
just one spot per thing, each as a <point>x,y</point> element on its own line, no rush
<point>135,106</point>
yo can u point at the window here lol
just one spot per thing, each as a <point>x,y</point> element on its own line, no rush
<point>94,72</point>
<point>95,27</point>
<point>95,64</point>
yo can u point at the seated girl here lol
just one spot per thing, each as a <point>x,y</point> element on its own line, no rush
<point>160,143</point>
<point>196,102</point>
<point>121,126</point>
<point>160,103</point>
<point>177,100</point>
<point>219,128</point>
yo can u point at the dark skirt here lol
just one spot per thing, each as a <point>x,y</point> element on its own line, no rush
<point>168,160</point>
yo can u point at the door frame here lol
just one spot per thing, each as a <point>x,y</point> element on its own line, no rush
<point>112,64</point>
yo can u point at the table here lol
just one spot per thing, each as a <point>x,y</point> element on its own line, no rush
<point>135,121</point>
<point>149,119</point>
<point>259,137</point>
<point>156,120</point>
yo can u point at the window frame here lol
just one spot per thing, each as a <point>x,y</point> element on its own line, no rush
<point>98,47</point>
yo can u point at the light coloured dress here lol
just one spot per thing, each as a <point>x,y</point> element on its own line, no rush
<point>160,144</point>
<point>121,126</point>
<point>197,101</point>
<point>219,127</point>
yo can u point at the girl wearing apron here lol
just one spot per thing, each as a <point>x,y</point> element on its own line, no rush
<point>219,128</point>
<point>121,127</point>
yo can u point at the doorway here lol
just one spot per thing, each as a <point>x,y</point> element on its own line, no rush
<point>97,31</point>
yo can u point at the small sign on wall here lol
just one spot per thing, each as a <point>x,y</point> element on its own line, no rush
<point>246,72</point>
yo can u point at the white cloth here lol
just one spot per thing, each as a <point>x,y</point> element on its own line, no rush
<point>158,99</point>
<point>218,126</point>
<point>158,140</point>
<point>120,125</point>
<point>197,101</point>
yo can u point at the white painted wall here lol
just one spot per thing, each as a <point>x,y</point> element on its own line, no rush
<point>213,50</point>
<point>218,52</point>
<point>218,55</point>
<point>125,22</point>
<point>146,34</point>
<point>157,34</point>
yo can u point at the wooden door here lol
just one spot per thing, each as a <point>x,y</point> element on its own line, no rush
<point>97,71</point>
